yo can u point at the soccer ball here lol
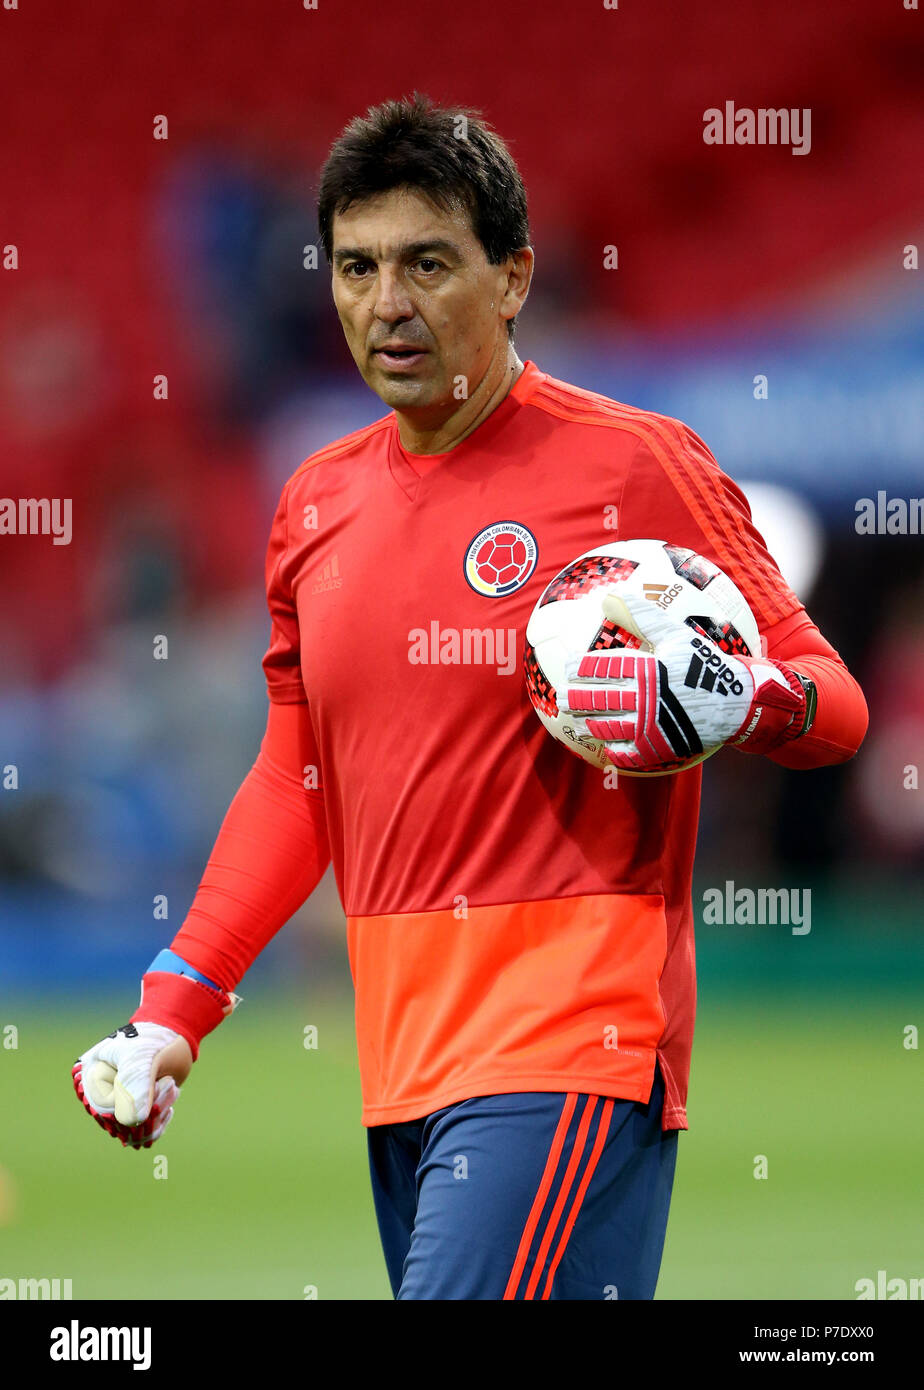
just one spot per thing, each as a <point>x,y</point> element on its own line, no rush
<point>568,620</point>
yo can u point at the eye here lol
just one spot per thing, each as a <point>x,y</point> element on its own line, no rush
<point>426,261</point>
<point>353,265</point>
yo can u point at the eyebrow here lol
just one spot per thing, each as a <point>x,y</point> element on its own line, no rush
<point>409,250</point>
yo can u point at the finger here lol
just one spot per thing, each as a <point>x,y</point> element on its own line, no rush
<point>654,749</point>
<point>165,1092</point>
<point>131,1108</point>
<point>601,697</point>
<point>625,759</point>
<point>98,1079</point>
<point>159,1128</point>
<point>134,1090</point>
<point>612,730</point>
<point>617,610</point>
<point>101,1118</point>
<point>641,617</point>
<point>135,1085</point>
<point>609,666</point>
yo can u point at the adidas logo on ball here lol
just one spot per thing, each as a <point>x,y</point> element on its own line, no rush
<point>702,671</point>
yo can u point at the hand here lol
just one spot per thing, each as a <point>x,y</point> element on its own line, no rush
<point>130,1081</point>
<point>656,711</point>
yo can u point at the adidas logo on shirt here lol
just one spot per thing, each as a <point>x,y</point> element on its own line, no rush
<point>328,576</point>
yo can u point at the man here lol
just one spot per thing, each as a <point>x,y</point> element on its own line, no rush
<point>520,934</point>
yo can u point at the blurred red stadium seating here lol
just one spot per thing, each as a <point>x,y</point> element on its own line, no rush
<point>604,112</point>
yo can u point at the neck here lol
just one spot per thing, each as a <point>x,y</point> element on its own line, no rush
<point>419,436</point>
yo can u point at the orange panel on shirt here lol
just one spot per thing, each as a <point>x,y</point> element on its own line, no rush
<point>537,996</point>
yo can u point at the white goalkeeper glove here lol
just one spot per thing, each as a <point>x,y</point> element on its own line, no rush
<point>655,711</point>
<point>130,1081</point>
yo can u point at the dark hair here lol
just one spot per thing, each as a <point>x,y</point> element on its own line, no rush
<point>413,143</point>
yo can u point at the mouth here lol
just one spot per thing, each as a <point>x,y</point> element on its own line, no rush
<point>400,359</point>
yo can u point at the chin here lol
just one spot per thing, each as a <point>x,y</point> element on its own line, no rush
<point>403,391</point>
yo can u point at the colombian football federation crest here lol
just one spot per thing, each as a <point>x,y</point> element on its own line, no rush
<point>500,559</point>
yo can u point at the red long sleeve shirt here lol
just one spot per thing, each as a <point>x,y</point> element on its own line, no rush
<point>508,916</point>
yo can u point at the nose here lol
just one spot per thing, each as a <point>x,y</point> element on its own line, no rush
<point>392,301</point>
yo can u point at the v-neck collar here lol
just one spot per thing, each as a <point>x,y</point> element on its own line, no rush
<point>401,462</point>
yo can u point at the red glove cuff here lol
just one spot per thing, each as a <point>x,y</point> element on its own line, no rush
<point>776,715</point>
<point>187,1006</point>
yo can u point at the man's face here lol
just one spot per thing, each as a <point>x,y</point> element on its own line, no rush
<point>408,275</point>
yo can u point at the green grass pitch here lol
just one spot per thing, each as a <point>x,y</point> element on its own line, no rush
<point>267,1188</point>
